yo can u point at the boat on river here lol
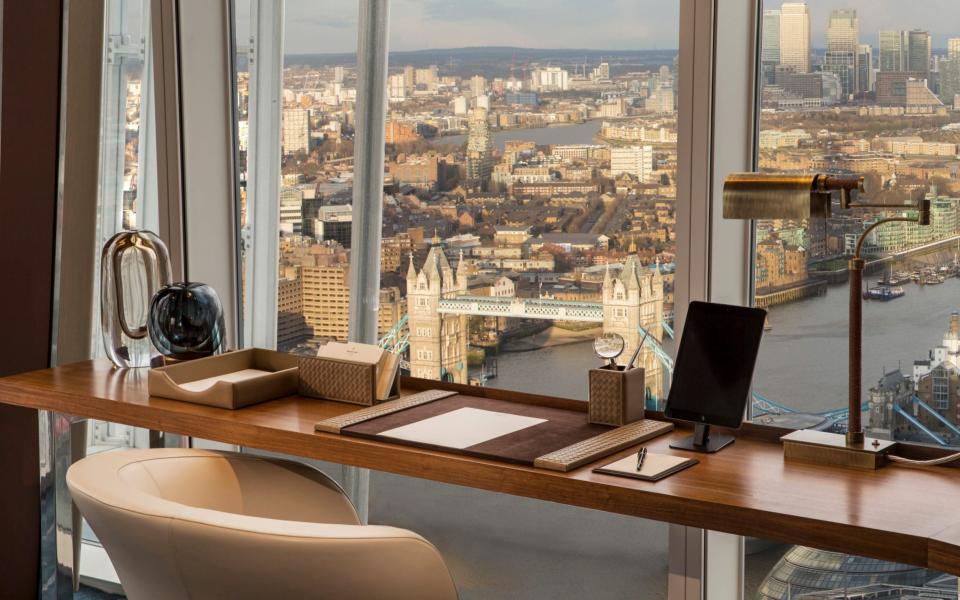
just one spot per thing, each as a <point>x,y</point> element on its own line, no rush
<point>883,293</point>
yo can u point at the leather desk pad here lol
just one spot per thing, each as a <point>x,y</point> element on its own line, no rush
<point>561,429</point>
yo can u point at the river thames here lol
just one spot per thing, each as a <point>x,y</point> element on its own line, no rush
<point>803,358</point>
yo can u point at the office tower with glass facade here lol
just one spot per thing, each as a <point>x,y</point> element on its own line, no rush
<point>865,77</point>
<point>795,36</point>
<point>918,51</point>
<point>949,79</point>
<point>953,48</point>
<point>843,37</point>
<point>770,44</point>
<point>893,51</point>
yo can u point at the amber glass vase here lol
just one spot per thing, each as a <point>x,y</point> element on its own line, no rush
<point>133,266</point>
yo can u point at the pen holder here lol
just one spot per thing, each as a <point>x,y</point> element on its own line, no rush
<point>616,396</point>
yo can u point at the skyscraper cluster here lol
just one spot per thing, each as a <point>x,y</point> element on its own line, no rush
<point>848,68</point>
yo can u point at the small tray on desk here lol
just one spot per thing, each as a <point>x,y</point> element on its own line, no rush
<point>232,380</point>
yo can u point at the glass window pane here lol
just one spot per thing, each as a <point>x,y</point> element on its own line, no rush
<point>531,192</point>
<point>862,89</point>
<point>128,193</point>
<point>776,571</point>
<point>542,165</point>
<point>313,195</point>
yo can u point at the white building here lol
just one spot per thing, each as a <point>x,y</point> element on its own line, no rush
<point>634,160</point>
<point>291,211</point>
<point>396,88</point>
<point>550,79</point>
<point>295,132</point>
<point>460,105</point>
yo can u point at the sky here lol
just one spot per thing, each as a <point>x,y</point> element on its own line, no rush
<point>321,26</point>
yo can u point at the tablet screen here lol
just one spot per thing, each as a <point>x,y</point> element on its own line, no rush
<point>714,366</point>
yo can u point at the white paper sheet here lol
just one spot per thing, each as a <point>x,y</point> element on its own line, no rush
<point>462,428</point>
<point>201,385</point>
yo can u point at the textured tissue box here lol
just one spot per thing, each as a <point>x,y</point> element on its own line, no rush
<point>616,397</point>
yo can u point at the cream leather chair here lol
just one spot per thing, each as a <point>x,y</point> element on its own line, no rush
<point>181,523</point>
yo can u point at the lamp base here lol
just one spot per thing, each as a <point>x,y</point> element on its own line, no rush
<point>832,449</point>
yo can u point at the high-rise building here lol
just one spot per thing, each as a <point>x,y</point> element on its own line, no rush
<point>427,78</point>
<point>865,77</point>
<point>795,36</point>
<point>843,38</point>
<point>479,146</point>
<point>409,79</point>
<point>326,300</point>
<point>949,79</point>
<point>291,211</point>
<point>396,88</point>
<point>893,51</point>
<point>770,44</point>
<point>918,52</point>
<point>296,130</point>
<point>953,48</point>
<point>292,328</point>
<point>602,72</point>
<point>906,51</point>
<point>478,85</point>
<point>634,160</point>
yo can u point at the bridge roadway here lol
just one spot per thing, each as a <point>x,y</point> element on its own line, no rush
<point>525,308</point>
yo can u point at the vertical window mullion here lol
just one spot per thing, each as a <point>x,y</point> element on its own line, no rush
<point>368,170</point>
<point>261,233</point>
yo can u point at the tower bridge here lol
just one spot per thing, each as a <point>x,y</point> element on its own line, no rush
<point>438,306</point>
<point>523,308</point>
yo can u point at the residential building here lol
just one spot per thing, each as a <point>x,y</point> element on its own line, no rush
<point>634,160</point>
<point>479,146</point>
<point>295,130</point>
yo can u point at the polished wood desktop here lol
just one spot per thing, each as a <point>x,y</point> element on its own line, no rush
<point>897,513</point>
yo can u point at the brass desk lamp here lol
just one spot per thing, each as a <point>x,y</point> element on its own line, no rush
<point>774,196</point>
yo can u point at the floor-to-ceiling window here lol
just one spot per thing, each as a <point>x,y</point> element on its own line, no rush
<point>530,186</point>
<point>871,89</point>
<point>530,168</point>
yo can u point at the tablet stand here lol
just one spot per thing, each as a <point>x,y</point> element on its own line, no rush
<point>703,441</point>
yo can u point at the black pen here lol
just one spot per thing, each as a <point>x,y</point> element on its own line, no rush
<point>641,454</point>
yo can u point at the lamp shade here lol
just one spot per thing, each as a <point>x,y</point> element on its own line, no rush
<point>773,196</point>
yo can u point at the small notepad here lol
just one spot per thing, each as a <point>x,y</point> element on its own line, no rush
<point>655,466</point>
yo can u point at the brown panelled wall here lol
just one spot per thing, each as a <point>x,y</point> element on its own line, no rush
<point>29,115</point>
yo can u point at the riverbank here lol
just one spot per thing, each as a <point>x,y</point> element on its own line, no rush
<point>551,337</point>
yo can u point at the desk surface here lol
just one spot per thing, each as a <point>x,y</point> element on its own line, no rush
<point>897,513</point>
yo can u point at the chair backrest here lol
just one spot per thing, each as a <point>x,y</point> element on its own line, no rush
<point>198,524</point>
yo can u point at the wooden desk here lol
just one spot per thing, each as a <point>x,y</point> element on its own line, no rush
<point>898,513</point>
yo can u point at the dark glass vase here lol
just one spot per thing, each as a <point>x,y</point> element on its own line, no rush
<point>186,321</point>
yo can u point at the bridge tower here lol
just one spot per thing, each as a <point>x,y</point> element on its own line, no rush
<point>438,343</point>
<point>634,297</point>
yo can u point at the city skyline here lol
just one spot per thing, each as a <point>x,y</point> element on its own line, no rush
<point>644,25</point>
